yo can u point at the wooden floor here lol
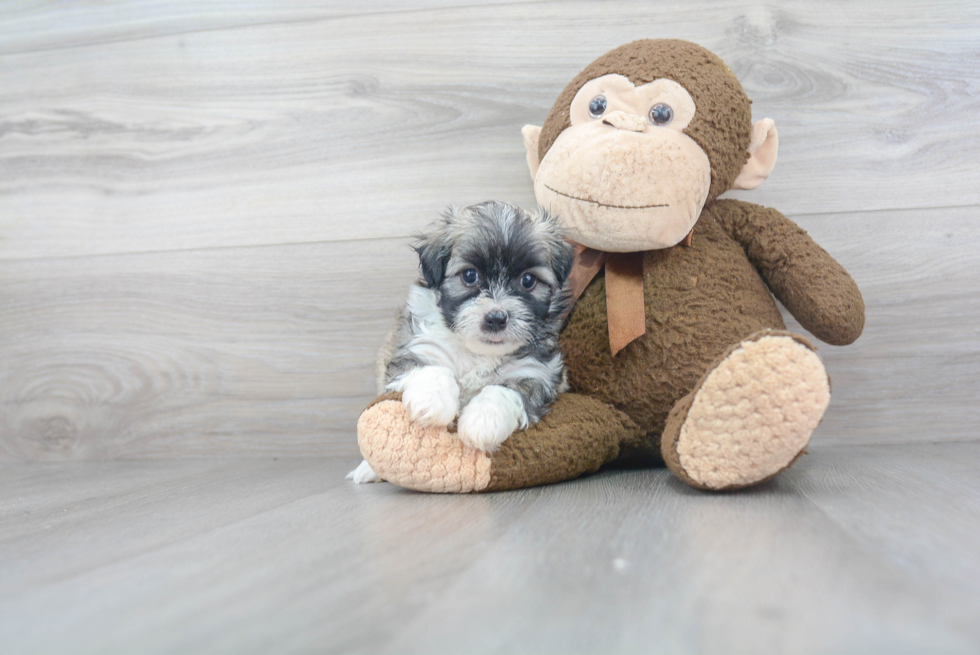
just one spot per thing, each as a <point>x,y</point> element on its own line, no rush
<point>855,550</point>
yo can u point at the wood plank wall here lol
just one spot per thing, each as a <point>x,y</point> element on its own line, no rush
<point>205,207</point>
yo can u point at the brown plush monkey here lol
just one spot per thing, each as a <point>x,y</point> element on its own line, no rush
<point>676,351</point>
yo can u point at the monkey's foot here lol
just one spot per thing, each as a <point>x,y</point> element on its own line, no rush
<point>416,457</point>
<point>750,416</point>
<point>576,437</point>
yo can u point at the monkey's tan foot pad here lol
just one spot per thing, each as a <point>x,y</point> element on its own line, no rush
<point>750,416</point>
<point>424,459</point>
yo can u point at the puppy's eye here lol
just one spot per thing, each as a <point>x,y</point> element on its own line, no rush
<point>528,281</point>
<point>661,114</point>
<point>469,277</point>
<point>597,107</point>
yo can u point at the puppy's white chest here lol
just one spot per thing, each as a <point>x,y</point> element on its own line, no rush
<point>478,374</point>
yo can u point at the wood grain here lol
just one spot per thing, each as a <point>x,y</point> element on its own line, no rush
<point>203,212</point>
<point>342,566</point>
<point>868,549</point>
<point>270,350</point>
<point>251,351</point>
<point>32,25</point>
<point>675,570</point>
<point>924,503</point>
<point>913,374</point>
<point>363,125</point>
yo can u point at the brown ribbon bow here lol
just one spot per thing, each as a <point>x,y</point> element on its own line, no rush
<point>625,309</point>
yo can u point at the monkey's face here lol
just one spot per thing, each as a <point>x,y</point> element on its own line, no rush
<point>624,176</point>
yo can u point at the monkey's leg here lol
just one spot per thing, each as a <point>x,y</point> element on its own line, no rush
<point>577,436</point>
<point>750,416</point>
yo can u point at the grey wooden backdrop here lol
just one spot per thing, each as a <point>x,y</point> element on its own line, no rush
<point>205,206</point>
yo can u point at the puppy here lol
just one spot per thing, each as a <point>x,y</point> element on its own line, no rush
<point>478,338</point>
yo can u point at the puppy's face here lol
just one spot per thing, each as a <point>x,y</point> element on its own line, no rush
<point>500,273</point>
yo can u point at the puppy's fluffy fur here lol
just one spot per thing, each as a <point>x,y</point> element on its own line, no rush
<point>478,338</point>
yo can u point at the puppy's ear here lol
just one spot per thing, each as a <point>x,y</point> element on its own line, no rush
<point>435,248</point>
<point>562,252</point>
<point>434,251</point>
<point>563,255</point>
<point>562,258</point>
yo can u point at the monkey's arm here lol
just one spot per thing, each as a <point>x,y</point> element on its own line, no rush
<point>808,281</point>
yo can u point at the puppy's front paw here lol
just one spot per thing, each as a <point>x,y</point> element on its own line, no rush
<point>491,417</point>
<point>363,474</point>
<point>431,396</point>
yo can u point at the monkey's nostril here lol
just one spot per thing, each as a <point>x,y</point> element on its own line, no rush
<point>623,121</point>
<point>495,320</point>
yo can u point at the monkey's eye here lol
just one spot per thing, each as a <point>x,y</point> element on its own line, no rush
<point>469,277</point>
<point>661,114</point>
<point>528,281</point>
<point>597,107</point>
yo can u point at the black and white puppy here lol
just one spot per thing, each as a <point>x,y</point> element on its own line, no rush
<point>478,338</point>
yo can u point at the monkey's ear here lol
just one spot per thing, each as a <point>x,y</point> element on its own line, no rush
<point>531,135</point>
<point>763,145</point>
<point>434,251</point>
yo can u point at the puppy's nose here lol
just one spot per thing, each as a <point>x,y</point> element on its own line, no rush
<point>623,121</point>
<point>495,320</point>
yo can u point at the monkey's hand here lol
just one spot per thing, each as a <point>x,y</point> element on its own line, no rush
<point>808,281</point>
<point>430,394</point>
<point>491,417</point>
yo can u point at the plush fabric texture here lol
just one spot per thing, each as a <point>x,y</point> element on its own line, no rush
<point>424,459</point>
<point>699,300</point>
<point>579,435</point>
<point>763,148</point>
<point>723,121</point>
<point>702,299</point>
<point>808,281</point>
<point>700,387</point>
<point>750,416</point>
<point>641,208</point>
<point>576,437</point>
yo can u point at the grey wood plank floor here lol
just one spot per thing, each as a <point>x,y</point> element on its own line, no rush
<point>854,550</point>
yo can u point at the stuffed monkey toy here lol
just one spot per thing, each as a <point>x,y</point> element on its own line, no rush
<point>676,351</point>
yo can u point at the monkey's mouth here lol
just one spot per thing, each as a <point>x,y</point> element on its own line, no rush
<point>602,204</point>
